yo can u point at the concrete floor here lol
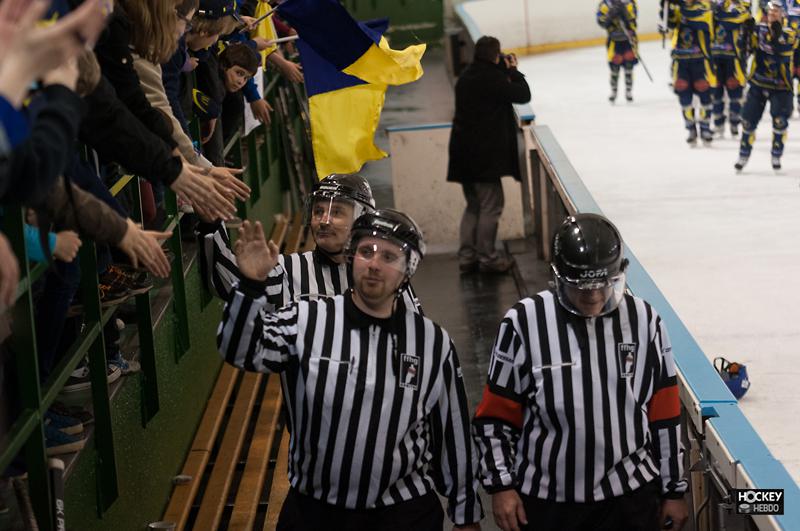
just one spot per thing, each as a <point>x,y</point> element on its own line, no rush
<point>470,308</point>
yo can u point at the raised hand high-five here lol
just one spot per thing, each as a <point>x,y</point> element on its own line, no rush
<point>254,255</point>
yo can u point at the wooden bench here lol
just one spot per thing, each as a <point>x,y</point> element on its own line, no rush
<point>229,447</point>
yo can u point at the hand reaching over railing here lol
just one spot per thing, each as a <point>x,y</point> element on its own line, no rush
<point>67,245</point>
<point>144,246</point>
<point>229,177</point>
<point>197,188</point>
<point>27,52</point>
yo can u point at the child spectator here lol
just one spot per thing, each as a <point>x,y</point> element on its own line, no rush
<point>219,97</point>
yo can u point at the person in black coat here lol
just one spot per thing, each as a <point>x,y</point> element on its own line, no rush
<point>483,148</point>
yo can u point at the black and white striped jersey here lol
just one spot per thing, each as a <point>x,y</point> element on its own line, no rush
<point>579,409</point>
<point>377,406</point>
<point>297,276</point>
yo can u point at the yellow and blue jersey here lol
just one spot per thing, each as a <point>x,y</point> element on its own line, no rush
<point>729,20</point>
<point>774,57</point>
<point>614,25</point>
<point>693,27</point>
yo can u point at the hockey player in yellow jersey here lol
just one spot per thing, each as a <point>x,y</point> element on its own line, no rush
<point>618,17</point>
<point>729,49</point>
<point>774,43</point>
<point>692,69</point>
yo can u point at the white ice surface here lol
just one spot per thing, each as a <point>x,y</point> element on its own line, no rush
<point>724,248</point>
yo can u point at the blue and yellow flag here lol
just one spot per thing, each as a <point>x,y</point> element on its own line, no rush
<point>344,112</point>
<point>351,47</point>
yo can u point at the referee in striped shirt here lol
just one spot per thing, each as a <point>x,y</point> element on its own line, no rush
<point>578,427</point>
<point>334,204</point>
<point>375,395</point>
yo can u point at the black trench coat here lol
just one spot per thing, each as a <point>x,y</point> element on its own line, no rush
<point>483,143</point>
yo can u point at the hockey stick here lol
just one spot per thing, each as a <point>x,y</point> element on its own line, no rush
<point>57,481</point>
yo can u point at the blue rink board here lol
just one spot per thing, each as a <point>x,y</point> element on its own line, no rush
<point>716,401</point>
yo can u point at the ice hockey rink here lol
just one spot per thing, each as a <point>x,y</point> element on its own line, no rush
<point>723,247</point>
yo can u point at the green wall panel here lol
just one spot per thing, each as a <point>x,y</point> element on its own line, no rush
<point>148,458</point>
<point>410,21</point>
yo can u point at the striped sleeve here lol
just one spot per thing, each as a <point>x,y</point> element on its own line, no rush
<point>663,413</point>
<point>217,262</point>
<point>220,270</point>
<point>456,456</point>
<point>499,418</point>
<point>253,339</point>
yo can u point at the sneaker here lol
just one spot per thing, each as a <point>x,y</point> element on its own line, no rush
<point>125,366</point>
<point>741,163</point>
<point>109,296</point>
<point>83,415</point>
<point>629,95</point>
<point>692,138</point>
<point>128,278</point>
<point>59,443</point>
<point>497,265</point>
<point>776,163</point>
<point>79,379</point>
<point>734,130</point>
<point>468,267</point>
<point>67,424</point>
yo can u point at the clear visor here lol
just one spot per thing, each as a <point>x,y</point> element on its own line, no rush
<point>590,299</point>
<point>381,253</point>
<point>334,211</point>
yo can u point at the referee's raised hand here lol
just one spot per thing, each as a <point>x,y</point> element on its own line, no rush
<point>255,256</point>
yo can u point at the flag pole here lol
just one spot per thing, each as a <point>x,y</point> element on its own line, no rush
<point>258,21</point>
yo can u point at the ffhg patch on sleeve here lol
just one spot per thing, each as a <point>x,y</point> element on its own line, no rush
<point>626,358</point>
<point>409,371</point>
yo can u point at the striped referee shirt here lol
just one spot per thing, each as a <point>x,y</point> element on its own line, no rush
<point>580,409</point>
<point>377,406</point>
<point>308,275</point>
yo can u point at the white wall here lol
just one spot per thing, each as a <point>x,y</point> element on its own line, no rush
<point>548,21</point>
<point>419,170</point>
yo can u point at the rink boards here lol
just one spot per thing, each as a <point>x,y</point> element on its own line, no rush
<point>722,247</point>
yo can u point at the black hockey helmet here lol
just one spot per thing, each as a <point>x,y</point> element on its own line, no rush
<point>587,254</point>
<point>394,226</point>
<point>349,187</point>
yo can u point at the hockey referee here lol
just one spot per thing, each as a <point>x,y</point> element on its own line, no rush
<point>375,396</point>
<point>333,205</point>
<point>578,428</point>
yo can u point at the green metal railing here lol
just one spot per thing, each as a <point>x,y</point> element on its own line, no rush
<point>280,150</point>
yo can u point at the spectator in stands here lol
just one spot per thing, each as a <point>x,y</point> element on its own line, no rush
<point>152,84</point>
<point>219,100</point>
<point>149,29</point>
<point>229,11</point>
<point>483,148</point>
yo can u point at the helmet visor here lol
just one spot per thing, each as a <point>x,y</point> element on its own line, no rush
<point>336,211</point>
<point>383,251</point>
<point>590,299</point>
